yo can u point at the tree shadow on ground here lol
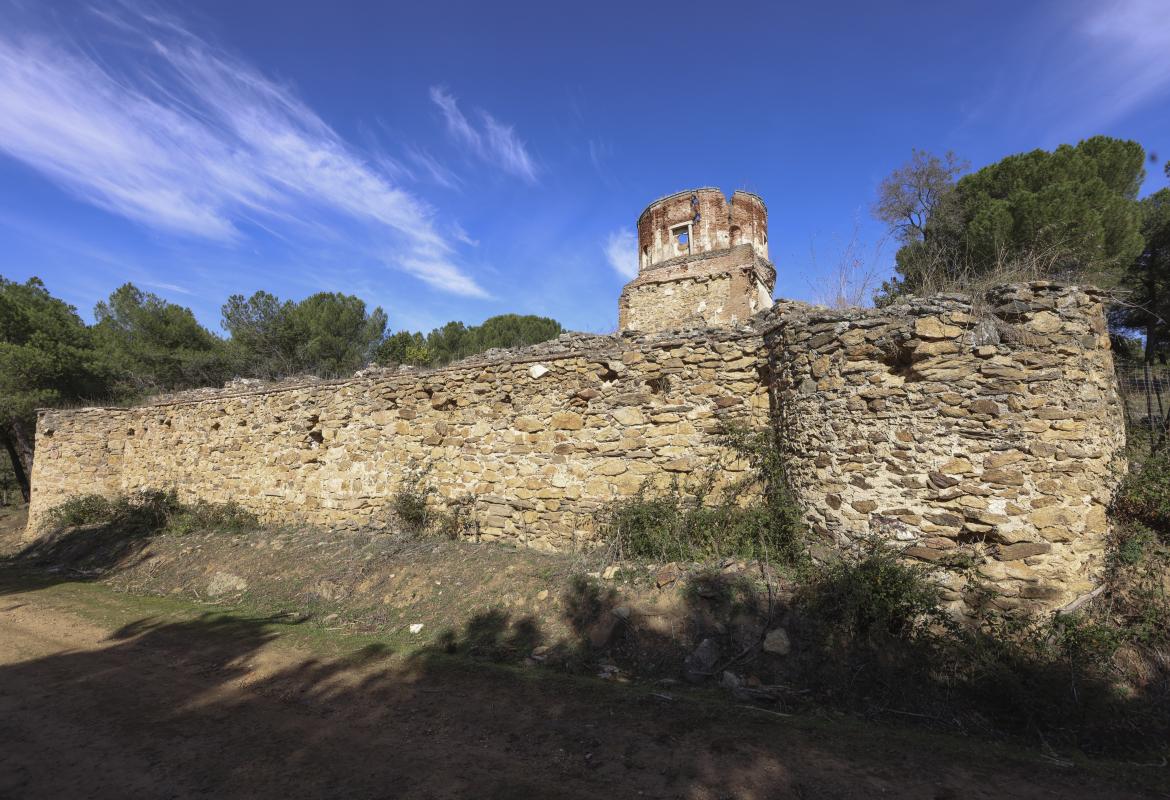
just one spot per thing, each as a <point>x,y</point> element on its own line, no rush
<point>83,552</point>
<point>205,707</point>
<point>532,732</point>
<point>958,682</point>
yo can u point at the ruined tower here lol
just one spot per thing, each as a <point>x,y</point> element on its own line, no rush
<point>702,261</point>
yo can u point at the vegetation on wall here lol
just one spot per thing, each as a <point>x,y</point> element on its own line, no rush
<point>754,518</point>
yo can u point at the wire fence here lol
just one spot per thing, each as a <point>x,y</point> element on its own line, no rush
<point>1145,393</point>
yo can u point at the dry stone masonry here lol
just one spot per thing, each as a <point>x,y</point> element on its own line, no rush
<point>540,438</point>
<point>984,437</point>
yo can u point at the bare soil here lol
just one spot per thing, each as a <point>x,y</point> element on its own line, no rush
<point>124,675</point>
<point>110,696</point>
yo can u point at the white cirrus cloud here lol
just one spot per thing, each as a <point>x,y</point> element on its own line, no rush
<point>621,251</point>
<point>495,142</point>
<point>1131,44</point>
<point>195,141</point>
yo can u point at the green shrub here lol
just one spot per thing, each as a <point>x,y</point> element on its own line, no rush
<point>755,518</point>
<point>875,596</point>
<point>1144,495</point>
<point>412,502</point>
<point>421,512</point>
<point>85,509</point>
<point>223,517</point>
<point>457,520</point>
<point>153,510</point>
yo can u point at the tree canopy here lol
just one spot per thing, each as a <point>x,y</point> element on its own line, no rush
<point>155,345</point>
<point>1069,212</point>
<point>47,357</point>
<point>910,195</point>
<point>327,333</point>
<point>1146,303</point>
<point>47,353</point>
<point>455,340</point>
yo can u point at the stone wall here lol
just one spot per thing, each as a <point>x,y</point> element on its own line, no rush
<point>541,438</point>
<point>723,287</point>
<point>987,436</point>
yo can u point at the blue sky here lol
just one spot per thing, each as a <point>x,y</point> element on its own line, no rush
<point>459,160</point>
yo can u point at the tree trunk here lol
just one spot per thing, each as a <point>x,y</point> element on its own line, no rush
<point>18,467</point>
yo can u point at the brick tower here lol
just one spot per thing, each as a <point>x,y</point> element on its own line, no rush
<point>702,261</point>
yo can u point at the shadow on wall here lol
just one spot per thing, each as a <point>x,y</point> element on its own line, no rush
<point>176,708</point>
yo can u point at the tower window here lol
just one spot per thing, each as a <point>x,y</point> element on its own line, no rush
<point>682,237</point>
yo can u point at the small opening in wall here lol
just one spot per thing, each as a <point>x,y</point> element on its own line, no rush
<point>684,237</point>
<point>215,426</point>
<point>317,436</point>
<point>129,431</point>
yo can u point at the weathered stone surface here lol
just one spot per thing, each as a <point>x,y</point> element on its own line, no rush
<point>990,395</point>
<point>222,583</point>
<point>934,328</point>
<point>1023,550</point>
<point>971,452</point>
<point>777,642</point>
<point>700,664</point>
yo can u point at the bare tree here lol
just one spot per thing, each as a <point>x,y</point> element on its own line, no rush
<point>913,192</point>
<point>851,278</point>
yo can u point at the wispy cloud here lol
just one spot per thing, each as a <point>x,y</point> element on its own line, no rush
<point>197,142</point>
<point>1132,40</point>
<point>432,168</point>
<point>462,235</point>
<point>621,251</point>
<point>167,287</point>
<point>494,142</point>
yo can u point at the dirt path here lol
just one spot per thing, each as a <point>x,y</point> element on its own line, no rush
<point>219,706</point>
